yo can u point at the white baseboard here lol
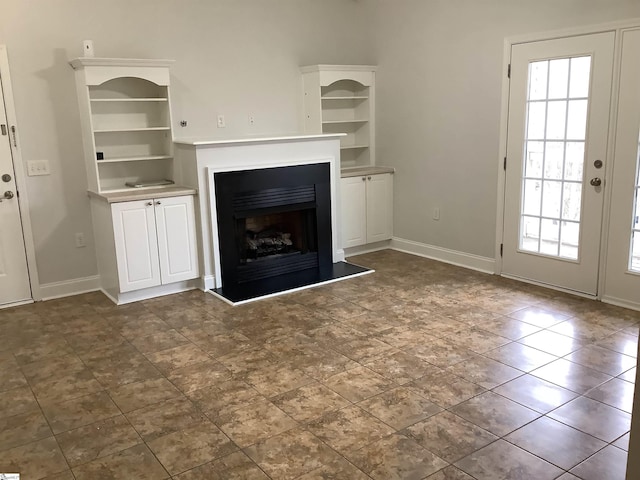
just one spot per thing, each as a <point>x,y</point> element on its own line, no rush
<point>368,248</point>
<point>454,257</point>
<point>67,288</point>
<point>620,302</point>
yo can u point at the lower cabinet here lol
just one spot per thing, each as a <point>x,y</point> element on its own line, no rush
<point>155,242</point>
<point>367,209</point>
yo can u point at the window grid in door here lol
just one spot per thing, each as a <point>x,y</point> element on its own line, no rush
<point>557,105</point>
<point>634,256</point>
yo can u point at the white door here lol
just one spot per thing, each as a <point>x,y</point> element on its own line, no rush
<point>14,275</point>
<point>622,283</point>
<point>353,193</point>
<point>177,248</point>
<point>379,207</point>
<point>134,230</point>
<point>556,156</point>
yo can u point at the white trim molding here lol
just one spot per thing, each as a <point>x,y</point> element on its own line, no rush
<point>67,288</point>
<point>453,257</point>
<point>621,302</point>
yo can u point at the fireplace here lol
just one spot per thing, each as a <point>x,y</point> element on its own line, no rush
<point>274,227</point>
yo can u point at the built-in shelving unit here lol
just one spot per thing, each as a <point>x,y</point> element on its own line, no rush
<point>126,121</point>
<point>340,99</point>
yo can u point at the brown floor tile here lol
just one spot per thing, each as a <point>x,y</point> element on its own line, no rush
<point>134,396</point>
<point>445,389</point>
<point>609,463</point>
<point>595,418</point>
<point>99,439</point>
<point>117,371</point>
<point>155,341</point>
<point>555,442</point>
<point>54,367</point>
<point>539,316</point>
<point>338,469</point>
<point>136,462</point>
<point>621,342</point>
<point>629,375</point>
<point>441,353</point>
<point>21,429</point>
<point>35,460</point>
<point>349,429</point>
<point>405,337</point>
<point>509,328</point>
<point>535,393</point>
<point>79,411</point>
<point>224,397</point>
<point>603,360</point>
<point>583,330</point>
<point>617,393</point>
<point>399,407</point>
<point>503,460</point>
<point>365,350</point>
<point>623,442</point>
<point>396,457</point>
<point>449,436</point>
<point>198,375</point>
<point>47,346</point>
<point>477,340</point>
<point>571,375</point>
<point>17,401</point>
<point>66,386</point>
<point>520,356</point>
<point>176,357</point>
<point>495,413</point>
<point>484,371</point>
<point>163,418</point>
<point>450,473</point>
<point>277,379</point>
<point>11,377</point>
<point>236,466</point>
<point>291,454</point>
<point>401,367</point>
<point>254,422</point>
<point>552,343</point>
<point>191,447</point>
<point>358,383</point>
<point>309,402</point>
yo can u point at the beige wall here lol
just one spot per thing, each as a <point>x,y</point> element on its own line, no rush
<point>439,83</point>
<point>233,57</point>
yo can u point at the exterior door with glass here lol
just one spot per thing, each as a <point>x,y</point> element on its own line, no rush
<point>558,125</point>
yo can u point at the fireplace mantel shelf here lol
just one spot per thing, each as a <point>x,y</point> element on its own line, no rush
<point>245,140</point>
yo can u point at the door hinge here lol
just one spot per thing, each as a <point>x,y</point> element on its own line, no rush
<point>501,249</point>
<point>504,166</point>
<point>509,71</point>
<point>3,130</point>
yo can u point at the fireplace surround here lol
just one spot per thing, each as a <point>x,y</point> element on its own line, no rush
<point>211,165</point>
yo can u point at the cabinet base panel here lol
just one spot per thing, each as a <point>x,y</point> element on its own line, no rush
<point>147,293</point>
<point>292,282</point>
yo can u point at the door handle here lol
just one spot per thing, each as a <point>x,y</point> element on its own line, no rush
<point>595,182</point>
<point>7,195</point>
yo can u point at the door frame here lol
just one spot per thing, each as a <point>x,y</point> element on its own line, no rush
<point>616,27</point>
<point>20,177</point>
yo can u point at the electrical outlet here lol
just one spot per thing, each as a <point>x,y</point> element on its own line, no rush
<point>436,213</point>
<point>38,167</point>
<point>80,240</point>
<point>252,119</point>
<point>87,48</point>
<point>221,121</point>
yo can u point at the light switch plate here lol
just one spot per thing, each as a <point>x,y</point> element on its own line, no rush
<point>87,48</point>
<point>38,167</point>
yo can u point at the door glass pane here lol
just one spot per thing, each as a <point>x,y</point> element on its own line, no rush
<point>557,109</point>
<point>534,157</point>
<point>634,254</point>
<point>570,233</point>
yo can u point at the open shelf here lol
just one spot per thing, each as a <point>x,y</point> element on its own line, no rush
<point>346,97</point>
<point>137,129</point>
<point>137,158</point>
<point>108,100</point>
<point>362,120</point>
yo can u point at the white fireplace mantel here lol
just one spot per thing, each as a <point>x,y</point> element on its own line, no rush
<point>199,159</point>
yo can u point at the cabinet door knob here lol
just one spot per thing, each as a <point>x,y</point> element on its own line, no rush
<point>368,178</point>
<point>158,202</point>
<point>149,204</point>
<point>363,179</point>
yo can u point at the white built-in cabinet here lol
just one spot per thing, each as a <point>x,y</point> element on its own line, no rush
<point>367,209</point>
<point>155,242</point>
<point>125,111</point>
<point>341,99</point>
<point>144,225</point>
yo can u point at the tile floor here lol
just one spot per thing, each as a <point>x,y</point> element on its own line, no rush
<point>421,370</point>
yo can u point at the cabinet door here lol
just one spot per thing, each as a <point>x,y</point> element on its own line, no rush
<point>354,204</point>
<point>177,248</point>
<point>379,207</point>
<point>134,229</point>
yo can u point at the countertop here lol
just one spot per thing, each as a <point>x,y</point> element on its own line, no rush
<point>143,193</point>
<point>362,171</point>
